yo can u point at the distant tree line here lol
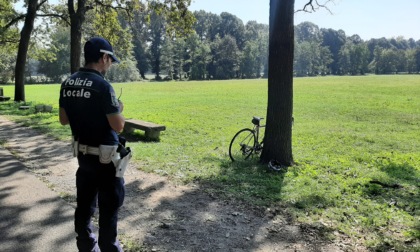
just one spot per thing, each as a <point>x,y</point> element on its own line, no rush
<point>327,51</point>
<point>222,47</point>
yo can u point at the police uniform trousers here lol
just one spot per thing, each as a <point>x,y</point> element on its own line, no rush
<point>97,186</point>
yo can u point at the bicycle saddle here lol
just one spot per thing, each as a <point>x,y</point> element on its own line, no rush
<point>256,120</point>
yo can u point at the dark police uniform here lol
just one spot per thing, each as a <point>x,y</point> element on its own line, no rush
<point>87,100</point>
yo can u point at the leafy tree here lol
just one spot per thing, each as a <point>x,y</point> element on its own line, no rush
<point>354,58</point>
<point>311,59</point>
<point>305,58</point>
<point>325,59</point>
<point>231,25</point>
<point>126,71</point>
<point>200,54</point>
<point>401,61</point>
<point>32,9</point>
<point>410,55</point>
<point>175,58</point>
<point>417,59</point>
<point>139,29</point>
<point>157,33</point>
<point>386,61</point>
<point>355,39</point>
<point>206,24</point>
<point>176,11</point>
<point>181,58</point>
<point>9,37</point>
<point>7,63</point>
<point>226,58</point>
<point>167,58</point>
<point>9,32</point>
<point>307,31</point>
<point>399,43</point>
<point>252,30</point>
<point>107,25</point>
<point>258,34</point>
<point>333,40</point>
<point>56,67</point>
<point>374,44</point>
<point>249,61</point>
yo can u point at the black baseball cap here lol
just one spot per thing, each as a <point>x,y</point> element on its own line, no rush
<point>95,46</point>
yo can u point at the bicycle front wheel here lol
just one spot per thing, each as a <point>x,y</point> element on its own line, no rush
<point>242,145</point>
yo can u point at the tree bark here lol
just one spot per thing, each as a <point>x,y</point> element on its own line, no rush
<point>77,18</point>
<point>278,132</point>
<point>25,37</point>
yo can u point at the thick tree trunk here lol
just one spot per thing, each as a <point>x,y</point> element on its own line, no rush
<point>77,18</point>
<point>278,132</point>
<point>75,45</point>
<point>25,37</point>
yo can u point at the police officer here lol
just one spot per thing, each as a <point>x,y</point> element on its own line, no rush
<point>89,104</point>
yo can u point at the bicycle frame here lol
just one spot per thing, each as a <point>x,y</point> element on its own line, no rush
<point>257,135</point>
<point>256,121</point>
<point>247,141</point>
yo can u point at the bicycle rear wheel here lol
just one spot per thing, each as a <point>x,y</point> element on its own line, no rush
<point>242,145</point>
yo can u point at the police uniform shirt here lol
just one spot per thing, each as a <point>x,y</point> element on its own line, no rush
<point>87,99</point>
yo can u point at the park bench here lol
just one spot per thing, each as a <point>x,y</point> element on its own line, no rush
<point>2,97</point>
<point>152,130</point>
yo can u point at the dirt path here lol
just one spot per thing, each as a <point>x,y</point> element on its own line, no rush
<point>163,216</point>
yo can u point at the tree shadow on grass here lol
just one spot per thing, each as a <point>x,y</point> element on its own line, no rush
<point>220,213</point>
<point>398,187</point>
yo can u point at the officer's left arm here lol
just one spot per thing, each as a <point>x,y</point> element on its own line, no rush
<point>113,109</point>
<point>64,120</point>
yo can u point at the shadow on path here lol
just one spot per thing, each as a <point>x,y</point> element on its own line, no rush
<point>32,217</point>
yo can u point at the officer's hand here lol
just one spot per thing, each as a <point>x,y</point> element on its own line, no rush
<point>121,106</point>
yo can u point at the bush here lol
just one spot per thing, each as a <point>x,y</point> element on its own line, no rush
<point>126,71</point>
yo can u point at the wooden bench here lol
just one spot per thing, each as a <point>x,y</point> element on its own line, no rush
<point>4,98</point>
<point>152,130</point>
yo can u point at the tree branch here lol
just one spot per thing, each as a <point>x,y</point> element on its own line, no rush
<point>119,7</point>
<point>6,41</point>
<point>13,21</point>
<point>313,7</point>
<point>40,4</point>
<point>62,17</point>
<point>110,6</point>
<point>70,6</point>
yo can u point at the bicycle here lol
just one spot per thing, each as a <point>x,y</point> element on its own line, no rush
<point>246,142</point>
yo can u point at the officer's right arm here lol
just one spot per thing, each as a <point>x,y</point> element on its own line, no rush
<point>116,121</point>
<point>64,120</point>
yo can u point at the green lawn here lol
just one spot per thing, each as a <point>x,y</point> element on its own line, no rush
<point>348,132</point>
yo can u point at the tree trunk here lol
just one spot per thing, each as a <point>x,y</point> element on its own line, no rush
<point>278,132</point>
<point>25,36</point>
<point>77,18</point>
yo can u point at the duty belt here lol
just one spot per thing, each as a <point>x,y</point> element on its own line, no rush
<point>85,149</point>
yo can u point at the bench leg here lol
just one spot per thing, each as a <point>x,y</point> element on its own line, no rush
<point>152,134</point>
<point>128,130</point>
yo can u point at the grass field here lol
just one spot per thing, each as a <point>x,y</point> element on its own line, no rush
<point>352,138</point>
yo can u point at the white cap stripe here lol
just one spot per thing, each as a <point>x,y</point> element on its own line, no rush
<point>107,52</point>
